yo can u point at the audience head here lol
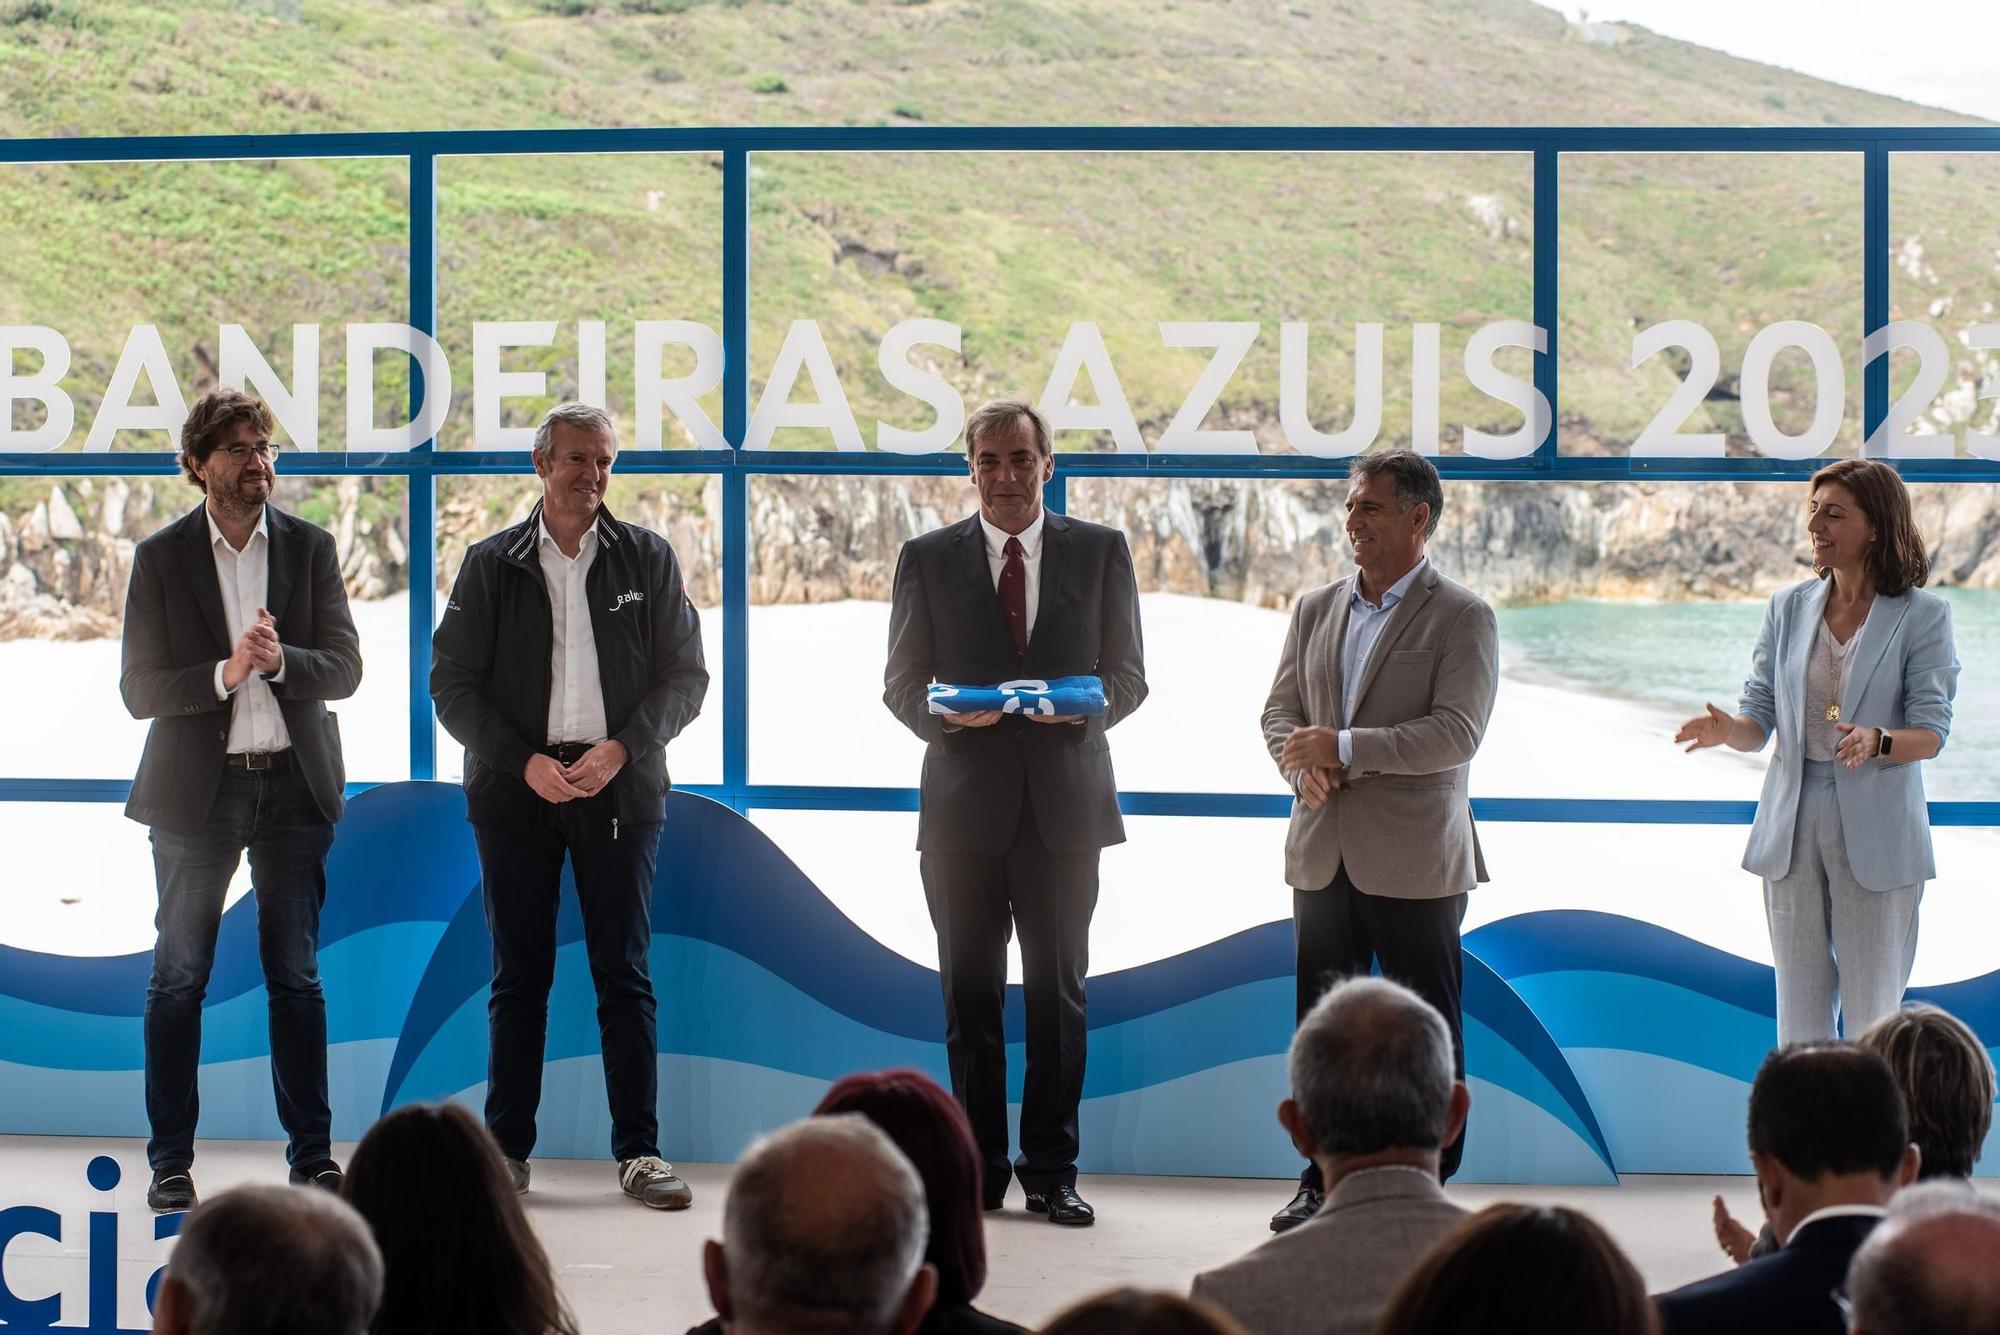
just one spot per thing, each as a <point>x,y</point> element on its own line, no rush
<point>1947,1083</point>
<point>1931,1268</point>
<point>823,1232</point>
<point>1371,1069</point>
<point>1137,1312</point>
<point>1827,1127</point>
<point>456,1246</point>
<point>270,1261</point>
<point>929,1127</point>
<point>1522,1268</point>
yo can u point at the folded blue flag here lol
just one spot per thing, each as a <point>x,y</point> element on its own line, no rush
<point>1030,695</point>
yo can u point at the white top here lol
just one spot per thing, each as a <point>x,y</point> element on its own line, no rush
<point>576,692</point>
<point>1031,559</point>
<point>1365,623</point>
<point>255,721</point>
<point>1827,668</point>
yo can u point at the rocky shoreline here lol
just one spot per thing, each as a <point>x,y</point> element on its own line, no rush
<point>65,558</point>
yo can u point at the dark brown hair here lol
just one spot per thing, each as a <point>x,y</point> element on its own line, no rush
<point>1138,1312</point>
<point>1007,414</point>
<point>1522,1268</point>
<point>213,420</point>
<point>456,1245</point>
<point>1898,560</point>
<point>930,1129</point>
<point>1947,1082</point>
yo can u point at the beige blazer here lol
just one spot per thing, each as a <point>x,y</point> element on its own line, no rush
<point>1403,824</point>
<point>1333,1274</point>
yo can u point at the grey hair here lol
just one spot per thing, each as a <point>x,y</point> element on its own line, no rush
<point>1001,413</point>
<point>277,1261</point>
<point>1415,478</point>
<point>582,416</point>
<point>804,1255</point>
<point>1372,1069</point>
<point>1931,1268</point>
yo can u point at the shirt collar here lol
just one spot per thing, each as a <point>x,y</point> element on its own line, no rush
<point>1031,536</point>
<point>1396,590</point>
<point>1836,1212</point>
<point>548,539</point>
<point>263,529</point>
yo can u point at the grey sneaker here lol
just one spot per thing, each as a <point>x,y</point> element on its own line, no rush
<point>517,1173</point>
<point>651,1181</point>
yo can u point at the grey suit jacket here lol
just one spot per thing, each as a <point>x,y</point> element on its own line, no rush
<point>1333,1274</point>
<point>1403,824</point>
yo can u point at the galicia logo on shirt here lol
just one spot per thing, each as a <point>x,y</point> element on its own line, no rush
<point>629,596</point>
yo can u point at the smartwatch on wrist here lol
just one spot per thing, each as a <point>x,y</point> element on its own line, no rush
<point>1883,748</point>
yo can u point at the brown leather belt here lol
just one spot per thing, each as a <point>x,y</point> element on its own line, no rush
<point>258,760</point>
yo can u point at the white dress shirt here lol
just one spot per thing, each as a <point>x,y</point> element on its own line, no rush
<point>1837,1212</point>
<point>1365,623</point>
<point>576,692</point>
<point>244,577</point>
<point>1031,559</point>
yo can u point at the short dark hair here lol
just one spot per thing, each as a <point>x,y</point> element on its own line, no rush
<point>1141,1312</point>
<point>1415,477</point>
<point>1947,1083</point>
<point>1522,1270</point>
<point>1371,1068</point>
<point>1823,1109</point>
<point>1001,414</point>
<point>213,419</point>
<point>277,1261</point>
<point>457,1249</point>
<point>929,1127</point>
<point>1898,560</point>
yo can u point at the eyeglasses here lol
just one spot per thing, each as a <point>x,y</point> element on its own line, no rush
<point>1846,1306</point>
<point>238,453</point>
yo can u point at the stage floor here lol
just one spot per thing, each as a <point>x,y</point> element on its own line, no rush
<point>628,1269</point>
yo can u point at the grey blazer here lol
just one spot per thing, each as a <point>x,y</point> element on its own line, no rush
<point>1403,824</point>
<point>1333,1274</point>
<point>1904,675</point>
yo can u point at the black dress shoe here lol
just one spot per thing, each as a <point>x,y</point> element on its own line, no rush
<point>1063,1206</point>
<point>325,1175</point>
<point>994,1202</point>
<point>1303,1207</point>
<point>172,1189</point>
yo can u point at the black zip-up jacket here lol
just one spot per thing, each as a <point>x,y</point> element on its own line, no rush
<point>491,658</point>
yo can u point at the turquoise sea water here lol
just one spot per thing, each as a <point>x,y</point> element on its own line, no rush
<point>1676,655</point>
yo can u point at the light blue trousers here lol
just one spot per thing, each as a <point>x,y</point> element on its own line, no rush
<point>1843,951</point>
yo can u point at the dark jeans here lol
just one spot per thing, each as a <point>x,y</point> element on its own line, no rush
<point>1341,932</point>
<point>976,902</point>
<point>521,870</point>
<point>272,814</point>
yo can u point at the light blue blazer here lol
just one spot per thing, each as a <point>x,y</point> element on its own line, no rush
<point>1904,675</point>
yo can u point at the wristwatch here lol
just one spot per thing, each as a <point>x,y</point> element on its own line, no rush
<point>1883,748</point>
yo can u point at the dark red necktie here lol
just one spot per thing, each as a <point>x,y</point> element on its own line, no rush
<point>1014,594</point>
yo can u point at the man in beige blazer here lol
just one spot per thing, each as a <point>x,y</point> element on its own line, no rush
<point>1373,1100</point>
<point>1380,700</point>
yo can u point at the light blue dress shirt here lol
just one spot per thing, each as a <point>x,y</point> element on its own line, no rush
<point>1365,624</point>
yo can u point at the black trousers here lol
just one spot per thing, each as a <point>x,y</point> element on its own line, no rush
<point>520,867</point>
<point>1341,932</point>
<point>976,903</point>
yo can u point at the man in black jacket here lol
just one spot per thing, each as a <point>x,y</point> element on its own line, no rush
<point>236,633</point>
<point>1014,809</point>
<point>1830,1143</point>
<point>567,659</point>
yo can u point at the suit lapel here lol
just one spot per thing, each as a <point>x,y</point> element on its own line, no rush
<point>198,560</point>
<point>976,581</point>
<point>1884,619</point>
<point>1055,563</point>
<point>1337,644</point>
<point>279,557</point>
<point>1406,611</point>
<point>1812,610</point>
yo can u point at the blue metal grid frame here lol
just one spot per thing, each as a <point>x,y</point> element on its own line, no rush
<point>424,464</point>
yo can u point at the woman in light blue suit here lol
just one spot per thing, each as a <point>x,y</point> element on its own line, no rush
<point>1855,672</point>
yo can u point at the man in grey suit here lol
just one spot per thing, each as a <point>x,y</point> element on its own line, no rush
<point>1374,1100</point>
<point>1380,700</point>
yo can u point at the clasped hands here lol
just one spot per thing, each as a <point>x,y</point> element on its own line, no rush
<point>554,781</point>
<point>1314,752</point>
<point>257,651</point>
